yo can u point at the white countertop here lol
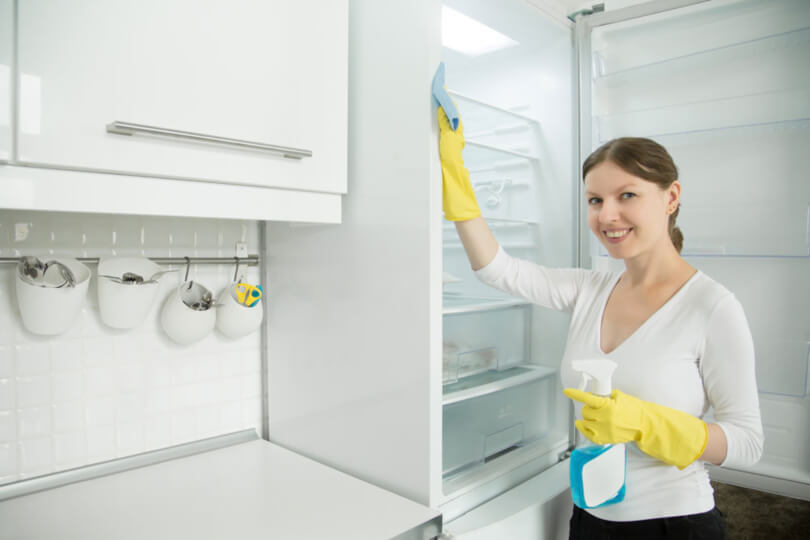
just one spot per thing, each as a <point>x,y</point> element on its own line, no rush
<point>254,489</point>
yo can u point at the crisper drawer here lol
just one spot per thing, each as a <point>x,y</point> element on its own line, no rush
<point>488,414</point>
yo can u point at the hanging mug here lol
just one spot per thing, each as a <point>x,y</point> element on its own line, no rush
<point>239,309</point>
<point>50,294</point>
<point>188,313</point>
<point>127,288</point>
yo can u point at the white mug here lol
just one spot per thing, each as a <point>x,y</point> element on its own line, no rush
<point>49,311</point>
<point>181,322</point>
<point>236,320</point>
<point>125,305</point>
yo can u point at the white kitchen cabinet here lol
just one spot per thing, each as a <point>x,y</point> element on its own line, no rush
<point>6,48</point>
<point>230,77</point>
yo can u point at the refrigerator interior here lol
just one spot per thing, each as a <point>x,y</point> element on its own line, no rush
<point>504,414</point>
<point>724,87</point>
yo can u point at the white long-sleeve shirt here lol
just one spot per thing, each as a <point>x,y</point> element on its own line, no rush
<point>695,352</point>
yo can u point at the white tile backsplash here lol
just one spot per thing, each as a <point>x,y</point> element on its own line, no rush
<point>6,362</point>
<point>94,393</point>
<point>8,393</point>
<point>33,359</point>
<point>34,422</point>
<point>68,417</point>
<point>70,449</point>
<point>9,470</point>
<point>100,443</point>
<point>33,391</point>
<point>35,456</point>
<point>67,386</point>
<point>8,426</point>
<point>66,356</point>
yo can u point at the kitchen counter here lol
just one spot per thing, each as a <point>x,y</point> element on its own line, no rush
<point>254,489</point>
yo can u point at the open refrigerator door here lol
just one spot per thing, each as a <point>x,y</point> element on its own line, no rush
<point>504,417</point>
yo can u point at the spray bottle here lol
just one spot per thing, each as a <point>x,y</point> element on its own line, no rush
<point>597,471</point>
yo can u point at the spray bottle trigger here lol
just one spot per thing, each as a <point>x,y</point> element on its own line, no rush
<point>584,379</point>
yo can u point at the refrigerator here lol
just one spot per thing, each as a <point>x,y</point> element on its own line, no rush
<point>388,359</point>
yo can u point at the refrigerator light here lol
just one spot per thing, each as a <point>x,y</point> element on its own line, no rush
<point>468,36</point>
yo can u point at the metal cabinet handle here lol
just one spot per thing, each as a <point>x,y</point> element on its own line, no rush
<point>128,128</point>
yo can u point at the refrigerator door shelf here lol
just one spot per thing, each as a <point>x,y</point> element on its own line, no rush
<point>494,133</point>
<point>477,152</point>
<point>511,234</point>
<point>499,224</point>
<point>493,117</point>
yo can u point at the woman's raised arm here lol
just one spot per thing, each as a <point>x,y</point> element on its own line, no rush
<point>458,197</point>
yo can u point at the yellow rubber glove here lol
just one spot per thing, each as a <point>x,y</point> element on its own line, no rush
<point>458,196</point>
<point>673,436</point>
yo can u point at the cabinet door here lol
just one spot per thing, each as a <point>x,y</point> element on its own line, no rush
<point>6,47</point>
<point>263,71</point>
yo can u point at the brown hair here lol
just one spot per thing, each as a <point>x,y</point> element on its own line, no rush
<point>645,159</point>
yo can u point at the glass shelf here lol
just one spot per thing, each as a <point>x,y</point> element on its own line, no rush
<point>747,74</point>
<point>707,116</point>
<point>734,205</point>
<point>639,44</point>
<point>491,381</point>
<point>699,79</point>
<point>452,304</point>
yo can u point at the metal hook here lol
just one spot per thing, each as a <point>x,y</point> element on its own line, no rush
<point>188,267</point>
<point>236,272</point>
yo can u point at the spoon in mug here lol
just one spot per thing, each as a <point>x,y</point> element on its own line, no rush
<point>129,278</point>
<point>33,270</point>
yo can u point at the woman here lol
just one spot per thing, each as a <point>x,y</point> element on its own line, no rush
<point>680,339</point>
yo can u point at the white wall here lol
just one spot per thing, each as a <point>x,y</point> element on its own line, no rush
<point>94,393</point>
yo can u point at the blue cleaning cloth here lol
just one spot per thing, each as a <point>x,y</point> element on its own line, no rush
<point>443,98</point>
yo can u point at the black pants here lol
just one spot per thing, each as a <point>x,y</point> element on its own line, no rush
<point>708,526</point>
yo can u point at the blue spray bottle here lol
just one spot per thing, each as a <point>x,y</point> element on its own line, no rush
<point>597,471</point>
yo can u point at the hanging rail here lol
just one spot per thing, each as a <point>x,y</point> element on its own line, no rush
<point>250,260</point>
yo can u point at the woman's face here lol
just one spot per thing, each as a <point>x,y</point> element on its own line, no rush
<point>628,214</point>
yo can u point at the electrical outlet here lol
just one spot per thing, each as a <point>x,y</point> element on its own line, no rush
<point>241,250</point>
<point>21,231</point>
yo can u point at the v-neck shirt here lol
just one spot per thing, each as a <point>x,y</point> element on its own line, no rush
<point>611,290</point>
<point>693,353</point>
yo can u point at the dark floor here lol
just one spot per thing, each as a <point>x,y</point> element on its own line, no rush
<point>752,515</point>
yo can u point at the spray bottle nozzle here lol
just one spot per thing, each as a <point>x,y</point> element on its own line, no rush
<point>598,370</point>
